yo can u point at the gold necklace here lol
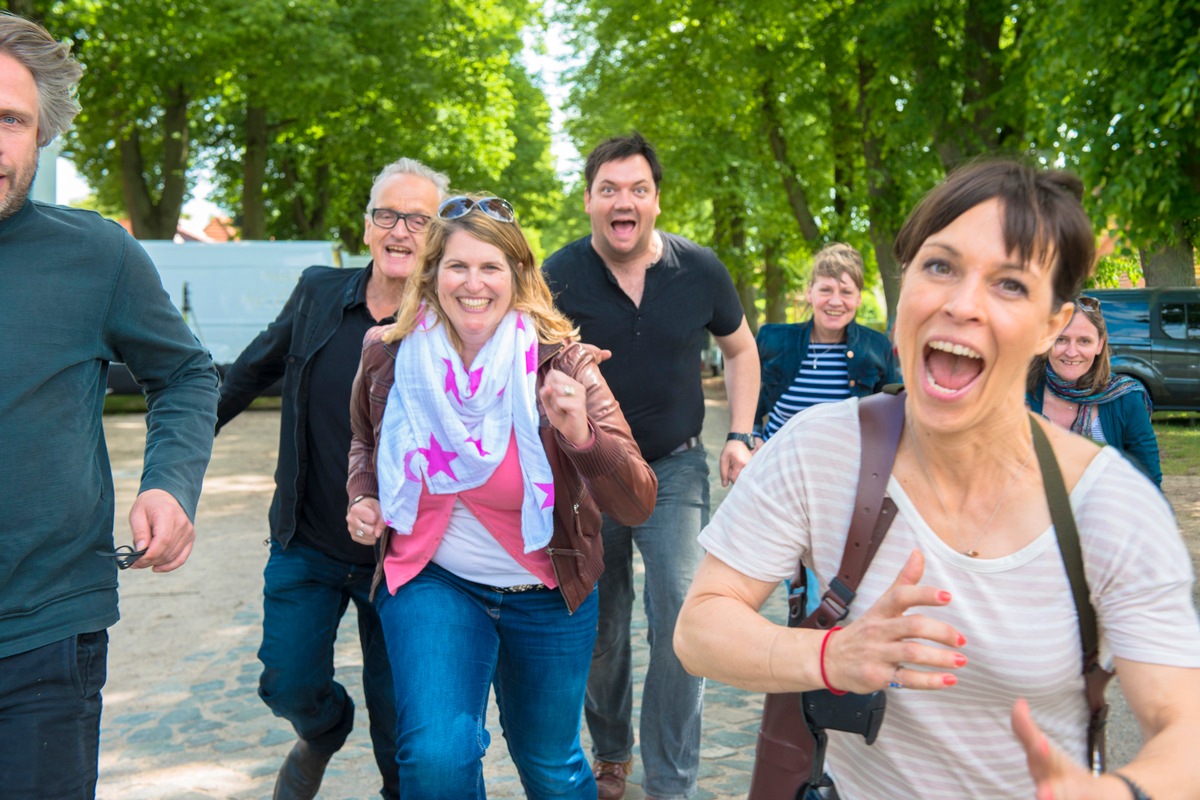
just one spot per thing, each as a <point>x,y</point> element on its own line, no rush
<point>970,551</point>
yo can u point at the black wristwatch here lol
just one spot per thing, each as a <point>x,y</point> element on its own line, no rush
<point>1138,792</point>
<point>744,438</point>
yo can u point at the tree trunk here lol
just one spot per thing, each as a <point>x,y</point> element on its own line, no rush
<point>772,120</point>
<point>1170,264</point>
<point>150,219</point>
<point>254,172</point>
<point>774,282</point>
<point>883,193</point>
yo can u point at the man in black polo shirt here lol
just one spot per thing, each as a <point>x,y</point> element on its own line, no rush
<point>649,297</point>
<point>315,570</point>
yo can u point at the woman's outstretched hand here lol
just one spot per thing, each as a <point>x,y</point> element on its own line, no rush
<point>565,401</point>
<point>887,646</point>
<point>1054,774</point>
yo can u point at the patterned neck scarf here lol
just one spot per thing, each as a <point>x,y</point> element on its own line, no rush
<point>449,429</point>
<point>1085,415</point>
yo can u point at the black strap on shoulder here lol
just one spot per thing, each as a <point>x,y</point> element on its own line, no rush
<point>1095,678</point>
<point>881,420</point>
<point>1068,536</point>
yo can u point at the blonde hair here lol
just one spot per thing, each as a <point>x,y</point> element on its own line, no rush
<point>530,292</point>
<point>835,260</point>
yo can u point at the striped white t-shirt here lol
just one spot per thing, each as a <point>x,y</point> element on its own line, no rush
<point>795,499</point>
<point>823,378</point>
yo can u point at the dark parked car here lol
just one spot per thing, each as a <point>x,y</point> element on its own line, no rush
<point>1155,338</point>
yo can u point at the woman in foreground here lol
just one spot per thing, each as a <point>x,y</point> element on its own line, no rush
<point>486,444</point>
<point>1072,385</point>
<point>966,607</point>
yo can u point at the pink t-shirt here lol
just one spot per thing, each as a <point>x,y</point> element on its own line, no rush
<point>496,505</point>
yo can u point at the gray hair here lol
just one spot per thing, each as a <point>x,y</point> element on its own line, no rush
<point>54,71</point>
<point>408,166</point>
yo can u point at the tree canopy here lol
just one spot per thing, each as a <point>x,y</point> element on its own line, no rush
<point>782,127</point>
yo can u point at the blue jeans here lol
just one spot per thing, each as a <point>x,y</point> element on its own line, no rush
<point>450,640</point>
<point>305,594</point>
<point>672,700</point>
<point>50,718</point>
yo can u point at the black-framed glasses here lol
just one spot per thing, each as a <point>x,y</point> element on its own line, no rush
<point>1087,303</point>
<point>494,207</point>
<point>124,555</point>
<point>386,218</point>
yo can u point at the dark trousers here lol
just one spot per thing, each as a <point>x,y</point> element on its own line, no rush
<point>50,719</point>
<point>305,594</point>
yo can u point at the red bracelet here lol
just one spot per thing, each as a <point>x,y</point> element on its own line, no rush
<point>824,677</point>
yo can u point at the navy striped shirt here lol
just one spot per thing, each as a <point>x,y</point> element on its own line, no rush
<point>823,378</point>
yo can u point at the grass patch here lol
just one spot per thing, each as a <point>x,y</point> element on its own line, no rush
<point>1178,435</point>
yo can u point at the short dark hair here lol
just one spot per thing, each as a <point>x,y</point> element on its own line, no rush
<point>619,148</point>
<point>1042,216</point>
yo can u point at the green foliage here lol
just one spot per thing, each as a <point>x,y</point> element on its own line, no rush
<point>293,107</point>
<point>1116,85</point>
<point>1110,270</point>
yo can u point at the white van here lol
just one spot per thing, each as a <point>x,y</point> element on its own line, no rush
<point>228,292</point>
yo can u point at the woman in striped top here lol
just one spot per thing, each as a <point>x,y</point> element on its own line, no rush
<point>828,358</point>
<point>965,615</point>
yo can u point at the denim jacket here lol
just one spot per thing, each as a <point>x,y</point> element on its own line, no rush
<point>781,347</point>
<point>1126,426</point>
<point>284,350</point>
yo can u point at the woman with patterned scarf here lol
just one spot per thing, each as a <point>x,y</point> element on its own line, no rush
<point>1072,385</point>
<point>485,446</point>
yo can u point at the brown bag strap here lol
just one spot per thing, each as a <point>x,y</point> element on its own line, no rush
<point>785,748</point>
<point>881,421</point>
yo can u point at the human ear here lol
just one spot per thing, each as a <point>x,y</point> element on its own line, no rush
<point>1057,323</point>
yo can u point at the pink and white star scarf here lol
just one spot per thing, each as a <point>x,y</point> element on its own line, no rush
<point>450,428</point>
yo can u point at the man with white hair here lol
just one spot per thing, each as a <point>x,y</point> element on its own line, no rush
<point>314,570</point>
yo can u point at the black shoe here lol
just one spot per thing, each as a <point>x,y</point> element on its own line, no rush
<point>301,773</point>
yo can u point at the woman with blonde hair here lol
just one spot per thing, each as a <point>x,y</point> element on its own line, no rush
<point>486,445</point>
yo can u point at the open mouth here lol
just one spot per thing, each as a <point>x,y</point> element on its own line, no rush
<point>398,251</point>
<point>623,227</point>
<point>950,368</point>
<point>474,303</point>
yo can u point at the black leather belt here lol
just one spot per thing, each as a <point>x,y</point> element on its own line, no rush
<point>688,444</point>
<point>520,587</point>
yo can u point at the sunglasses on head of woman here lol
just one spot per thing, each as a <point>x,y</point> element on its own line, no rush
<point>1087,303</point>
<point>494,207</point>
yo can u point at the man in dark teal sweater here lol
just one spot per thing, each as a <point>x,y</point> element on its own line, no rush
<point>76,292</point>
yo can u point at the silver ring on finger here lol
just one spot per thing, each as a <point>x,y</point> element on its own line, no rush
<point>568,390</point>
<point>895,682</point>
<point>359,533</point>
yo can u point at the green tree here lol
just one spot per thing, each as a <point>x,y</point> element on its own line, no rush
<point>1117,89</point>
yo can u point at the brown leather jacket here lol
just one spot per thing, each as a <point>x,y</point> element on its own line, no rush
<point>610,476</point>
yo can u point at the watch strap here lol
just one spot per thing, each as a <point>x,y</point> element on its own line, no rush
<point>745,438</point>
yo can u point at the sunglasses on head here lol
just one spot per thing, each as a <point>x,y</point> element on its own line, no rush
<point>494,207</point>
<point>1087,303</point>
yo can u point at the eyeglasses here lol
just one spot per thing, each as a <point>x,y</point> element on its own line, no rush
<point>386,218</point>
<point>125,555</point>
<point>1087,303</point>
<point>494,207</point>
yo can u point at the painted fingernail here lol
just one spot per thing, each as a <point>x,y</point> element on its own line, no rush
<point>944,597</point>
<point>960,660</point>
<point>962,640</point>
<point>949,680</point>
